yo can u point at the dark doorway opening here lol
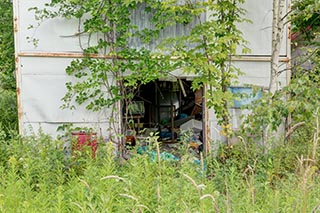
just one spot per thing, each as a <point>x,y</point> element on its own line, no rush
<point>168,108</point>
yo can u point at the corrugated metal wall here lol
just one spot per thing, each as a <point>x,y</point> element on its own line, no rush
<point>142,20</point>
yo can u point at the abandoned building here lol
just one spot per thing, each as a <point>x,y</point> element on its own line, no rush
<point>168,104</point>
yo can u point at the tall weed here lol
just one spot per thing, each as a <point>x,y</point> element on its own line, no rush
<point>8,112</point>
<point>36,176</point>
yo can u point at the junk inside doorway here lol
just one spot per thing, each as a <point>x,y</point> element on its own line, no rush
<point>172,109</point>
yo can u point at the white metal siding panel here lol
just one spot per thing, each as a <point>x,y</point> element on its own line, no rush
<point>50,32</point>
<point>257,73</point>
<point>259,32</point>
<point>41,79</point>
<point>42,101</point>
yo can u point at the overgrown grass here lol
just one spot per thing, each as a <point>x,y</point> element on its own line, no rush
<point>8,111</point>
<point>37,176</point>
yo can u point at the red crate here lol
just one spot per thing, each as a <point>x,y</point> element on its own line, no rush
<point>85,139</point>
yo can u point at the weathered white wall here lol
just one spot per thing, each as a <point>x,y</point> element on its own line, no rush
<point>42,86</point>
<point>49,33</point>
<point>256,67</point>
<point>41,80</point>
<point>259,32</point>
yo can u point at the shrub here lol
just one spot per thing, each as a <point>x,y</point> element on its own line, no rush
<point>8,111</point>
<point>37,176</point>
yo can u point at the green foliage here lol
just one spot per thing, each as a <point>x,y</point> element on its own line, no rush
<point>103,81</point>
<point>306,20</point>
<point>37,176</point>
<point>8,106</point>
<point>299,99</point>
<point>113,68</point>
<point>8,111</point>
<point>207,50</point>
<point>7,80</point>
<point>296,102</point>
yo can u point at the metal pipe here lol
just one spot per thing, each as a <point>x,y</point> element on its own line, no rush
<point>172,109</point>
<point>256,58</point>
<point>17,61</point>
<point>205,122</point>
<point>64,55</point>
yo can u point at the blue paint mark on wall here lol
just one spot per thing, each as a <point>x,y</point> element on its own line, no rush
<point>244,96</point>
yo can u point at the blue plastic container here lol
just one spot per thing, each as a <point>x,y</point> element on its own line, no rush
<point>245,96</point>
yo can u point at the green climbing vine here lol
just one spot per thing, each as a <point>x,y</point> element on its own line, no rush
<point>207,52</point>
<point>120,59</point>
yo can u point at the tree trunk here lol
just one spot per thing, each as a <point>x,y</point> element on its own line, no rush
<point>277,35</point>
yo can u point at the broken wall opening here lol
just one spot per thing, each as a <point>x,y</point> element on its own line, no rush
<point>170,108</point>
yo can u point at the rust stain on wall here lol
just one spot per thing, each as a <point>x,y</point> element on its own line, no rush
<point>15,27</point>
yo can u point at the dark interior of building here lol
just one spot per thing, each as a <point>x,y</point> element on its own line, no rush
<point>166,107</point>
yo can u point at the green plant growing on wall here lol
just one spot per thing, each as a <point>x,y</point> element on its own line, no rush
<point>8,105</point>
<point>302,99</point>
<point>7,64</point>
<point>305,17</point>
<point>301,95</point>
<point>113,68</point>
<point>207,51</point>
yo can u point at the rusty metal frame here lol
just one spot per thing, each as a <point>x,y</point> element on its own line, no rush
<point>17,62</point>
<point>205,125</point>
<point>245,58</point>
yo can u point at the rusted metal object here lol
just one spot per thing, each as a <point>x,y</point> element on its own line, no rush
<point>256,58</point>
<point>64,55</point>
<point>17,63</point>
